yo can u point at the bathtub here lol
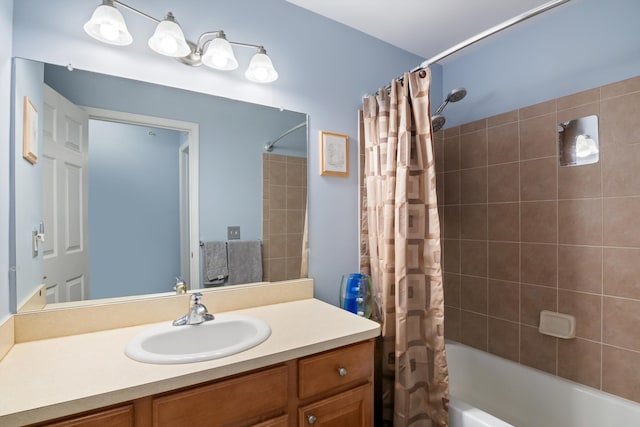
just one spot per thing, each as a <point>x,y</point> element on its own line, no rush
<point>488,391</point>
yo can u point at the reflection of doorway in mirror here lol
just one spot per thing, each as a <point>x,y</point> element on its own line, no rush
<point>64,200</point>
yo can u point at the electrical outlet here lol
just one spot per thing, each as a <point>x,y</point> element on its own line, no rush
<point>233,233</point>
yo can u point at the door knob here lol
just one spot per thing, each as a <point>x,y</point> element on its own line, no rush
<point>342,372</point>
<point>311,419</point>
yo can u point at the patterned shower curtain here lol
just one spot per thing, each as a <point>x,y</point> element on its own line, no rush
<point>400,250</point>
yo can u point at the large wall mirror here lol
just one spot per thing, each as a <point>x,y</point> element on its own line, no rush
<point>133,181</point>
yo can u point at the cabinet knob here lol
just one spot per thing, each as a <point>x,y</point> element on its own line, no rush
<point>342,372</point>
<point>311,419</point>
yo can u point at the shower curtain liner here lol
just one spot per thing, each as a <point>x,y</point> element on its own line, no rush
<point>400,250</point>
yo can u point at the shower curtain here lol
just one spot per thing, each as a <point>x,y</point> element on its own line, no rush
<point>400,250</point>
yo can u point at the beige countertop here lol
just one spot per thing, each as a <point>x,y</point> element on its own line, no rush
<point>54,377</point>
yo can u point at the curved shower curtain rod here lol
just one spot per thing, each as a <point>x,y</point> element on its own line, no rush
<point>480,36</point>
<point>269,146</point>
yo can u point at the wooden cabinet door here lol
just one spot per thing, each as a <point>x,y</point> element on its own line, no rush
<point>117,417</point>
<point>353,408</point>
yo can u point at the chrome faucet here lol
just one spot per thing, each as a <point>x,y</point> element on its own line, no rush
<point>197,313</point>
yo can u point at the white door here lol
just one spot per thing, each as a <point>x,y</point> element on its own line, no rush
<point>65,199</point>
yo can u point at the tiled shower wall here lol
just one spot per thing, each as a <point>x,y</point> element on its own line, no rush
<point>284,196</point>
<point>522,234</point>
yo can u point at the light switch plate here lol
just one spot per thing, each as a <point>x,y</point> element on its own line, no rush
<point>233,233</point>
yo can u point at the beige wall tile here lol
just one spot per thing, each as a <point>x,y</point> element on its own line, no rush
<point>621,318</point>
<point>539,222</point>
<point>296,175</point>
<point>586,308</point>
<point>504,221</point>
<point>538,137</point>
<point>293,268</point>
<point>618,120</point>
<point>620,88</point>
<point>537,350</point>
<point>504,339</point>
<point>451,188</point>
<point>451,255</point>
<point>501,119</point>
<point>539,264</point>
<point>503,144</point>
<point>278,222</point>
<point>580,222</point>
<point>622,272</point>
<point>473,294</point>
<point>503,183</point>
<point>452,324</point>
<point>451,284</point>
<point>277,246</point>
<point>452,222</point>
<point>579,360</point>
<point>438,154</point>
<point>473,126</point>
<point>473,185</point>
<point>473,222</point>
<point>620,373</point>
<point>277,196</point>
<point>537,109</point>
<point>473,149</point>
<point>534,299</point>
<point>580,268</point>
<point>620,170</point>
<point>504,300</point>
<point>451,154</point>
<point>504,261</point>
<point>538,179</point>
<point>473,328</point>
<point>621,221</point>
<point>580,98</point>
<point>575,182</point>
<point>448,133</point>
<point>473,258</point>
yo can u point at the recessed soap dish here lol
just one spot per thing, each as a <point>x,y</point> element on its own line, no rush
<point>558,325</point>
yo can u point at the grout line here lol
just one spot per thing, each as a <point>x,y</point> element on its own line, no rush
<point>520,243</point>
<point>557,148</point>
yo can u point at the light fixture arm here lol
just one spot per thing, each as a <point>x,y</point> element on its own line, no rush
<point>132,9</point>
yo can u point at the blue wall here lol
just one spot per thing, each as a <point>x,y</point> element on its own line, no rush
<point>577,46</point>
<point>324,68</point>
<point>134,240</point>
<point>6,30</point>
<point>27,197</point>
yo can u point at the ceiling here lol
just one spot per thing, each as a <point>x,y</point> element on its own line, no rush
<point>422,27</point>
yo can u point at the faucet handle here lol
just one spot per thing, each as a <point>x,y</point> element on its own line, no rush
<point>196,297</point>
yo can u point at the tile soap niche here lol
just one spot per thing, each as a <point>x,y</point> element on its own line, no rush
<point>578,141</point>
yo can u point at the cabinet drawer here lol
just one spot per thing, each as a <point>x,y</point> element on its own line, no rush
<point>282,421</point>
<point>239,400</point>
<point>117,417</point>
<point>351,408</point>
<point>323,372</point>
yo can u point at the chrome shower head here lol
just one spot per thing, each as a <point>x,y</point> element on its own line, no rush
<point>454,96</point>
<point>437,122</point>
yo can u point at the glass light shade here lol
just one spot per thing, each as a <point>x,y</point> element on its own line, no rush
<point>168,39</point>
<point>585,146</point>
<point>261,69</point>
<point>107,25</point>
<point>218,54</point>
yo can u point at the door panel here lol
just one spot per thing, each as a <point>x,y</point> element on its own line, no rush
<point>65,199</point>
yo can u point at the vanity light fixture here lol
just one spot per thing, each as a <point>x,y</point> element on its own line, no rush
<point>212,48</point>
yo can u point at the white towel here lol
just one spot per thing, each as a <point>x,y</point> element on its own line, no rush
<point>245,261</point>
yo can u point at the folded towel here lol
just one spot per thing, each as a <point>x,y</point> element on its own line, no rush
<point>245,261</point>
<point>216,268</point>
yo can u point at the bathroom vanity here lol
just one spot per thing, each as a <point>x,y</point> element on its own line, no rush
<point>315,368</point>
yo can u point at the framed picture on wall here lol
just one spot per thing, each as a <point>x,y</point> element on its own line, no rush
<point>334,154</point>
<point>30,132</point>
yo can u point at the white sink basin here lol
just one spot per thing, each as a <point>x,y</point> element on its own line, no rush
<point>227,334</point>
